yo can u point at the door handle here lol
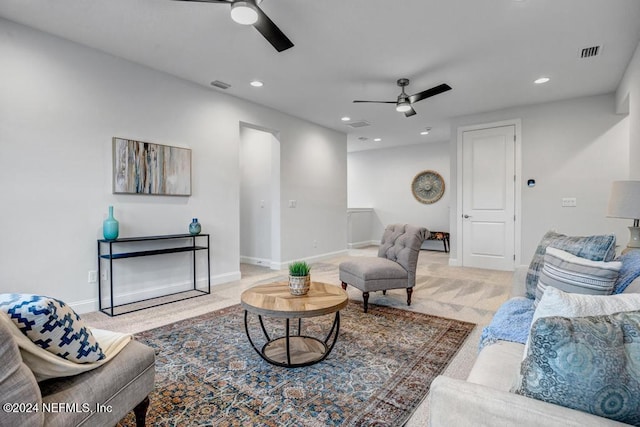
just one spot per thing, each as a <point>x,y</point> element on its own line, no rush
<point>466,216</point>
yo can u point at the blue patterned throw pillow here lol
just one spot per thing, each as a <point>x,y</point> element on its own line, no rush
<point>591,364</point>
<point>52,325</point>
<point>595,248</point>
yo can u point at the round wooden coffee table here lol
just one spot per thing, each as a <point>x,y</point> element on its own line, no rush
<point>275,300</point>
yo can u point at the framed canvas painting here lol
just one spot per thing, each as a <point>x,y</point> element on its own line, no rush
<point>146,168</point>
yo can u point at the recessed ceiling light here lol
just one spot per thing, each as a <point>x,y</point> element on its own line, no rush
<point>256,83</point>
<point>424,132</point>
<point>345,118</point>
<point>377,139</point>
<point>541,80</point>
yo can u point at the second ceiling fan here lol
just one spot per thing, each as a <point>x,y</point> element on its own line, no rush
<point>404,103</point>
<point>247,12</point>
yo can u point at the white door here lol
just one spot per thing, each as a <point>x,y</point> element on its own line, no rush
<point>488,198</point>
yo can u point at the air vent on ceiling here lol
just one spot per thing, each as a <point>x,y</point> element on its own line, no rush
<point>359,124</point>
<point>363,138</point>
<point>590,52</point>
<point>220,85</point>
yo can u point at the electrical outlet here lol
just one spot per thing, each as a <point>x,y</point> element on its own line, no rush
<point>292,203</point>
<point>569,202</point>
<point>105,274</point>
<point>315,243</point>
<point>93,276</point>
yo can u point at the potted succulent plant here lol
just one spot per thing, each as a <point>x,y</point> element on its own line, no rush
<point>299,279</point>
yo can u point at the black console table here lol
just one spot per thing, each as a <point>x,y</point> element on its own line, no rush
<point>108,250</point>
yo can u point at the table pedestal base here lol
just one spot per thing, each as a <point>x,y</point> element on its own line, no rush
<point>297,350</point>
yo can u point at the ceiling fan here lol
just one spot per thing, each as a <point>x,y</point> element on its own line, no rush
<point>404,103</point>
<point>247,12</point>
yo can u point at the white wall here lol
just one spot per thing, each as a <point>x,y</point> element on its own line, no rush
<point>363,228</point>
<point>628,102</point>
<point>257,188</point>
<point>314,175</point>
<point>381,179</point>
<point>572,148</point>
<point>62,103</point>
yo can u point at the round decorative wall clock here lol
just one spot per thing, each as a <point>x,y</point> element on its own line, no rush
<point>427,187</point>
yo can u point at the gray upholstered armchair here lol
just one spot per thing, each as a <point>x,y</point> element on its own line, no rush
<point>393,268</point>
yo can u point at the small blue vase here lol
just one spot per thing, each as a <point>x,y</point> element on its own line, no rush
<point>194,227</point>
<point>110,226</point>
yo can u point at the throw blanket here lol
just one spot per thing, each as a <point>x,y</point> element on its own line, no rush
<point>45,365</point>
<point>510,323</point>
<point>630,270</point>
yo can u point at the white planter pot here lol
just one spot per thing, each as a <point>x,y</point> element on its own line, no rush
<point>299,285</point>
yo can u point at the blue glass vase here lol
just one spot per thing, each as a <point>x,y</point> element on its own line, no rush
<point>194,227</point>
<point>110,226</point>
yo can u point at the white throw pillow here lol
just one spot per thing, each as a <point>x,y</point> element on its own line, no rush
<point>555,302</point>
<point>570,273</point>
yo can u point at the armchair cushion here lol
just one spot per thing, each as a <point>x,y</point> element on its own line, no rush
<point>373,274</point>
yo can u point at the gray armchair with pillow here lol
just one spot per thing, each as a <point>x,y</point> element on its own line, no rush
<point>41,388</point>
<point>393,268</point>
<point>533,383</point>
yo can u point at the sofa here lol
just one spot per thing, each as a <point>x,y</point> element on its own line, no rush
<point>486,397</point>
<point>97,397</point>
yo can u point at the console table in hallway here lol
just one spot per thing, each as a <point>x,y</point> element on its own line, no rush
<point>111,251</point>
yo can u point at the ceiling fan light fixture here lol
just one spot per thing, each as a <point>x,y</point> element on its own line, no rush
<point>403,106</point>
<point>244,12</point>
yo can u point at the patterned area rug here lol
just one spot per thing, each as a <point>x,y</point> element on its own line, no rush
<point>380,370</point>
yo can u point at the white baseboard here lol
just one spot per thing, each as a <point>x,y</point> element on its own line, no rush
<point>91,305</point>
<point>262,262</point>
<point>357,245</point>
<point>314,258</point>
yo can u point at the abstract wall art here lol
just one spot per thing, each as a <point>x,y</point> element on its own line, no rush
<point>146,168</point>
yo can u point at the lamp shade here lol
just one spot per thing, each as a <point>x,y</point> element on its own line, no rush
<point>625,200</point>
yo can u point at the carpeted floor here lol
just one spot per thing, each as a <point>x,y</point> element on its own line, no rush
<point>378,373</point>
<point>466,294</point>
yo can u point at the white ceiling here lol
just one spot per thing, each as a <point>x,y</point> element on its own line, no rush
<point>489,51</point>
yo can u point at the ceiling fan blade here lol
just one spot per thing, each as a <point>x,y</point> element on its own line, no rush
<point>379,102</point>
<point>271,32</point>
<point>429,93</point>
<point>410,113</point>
